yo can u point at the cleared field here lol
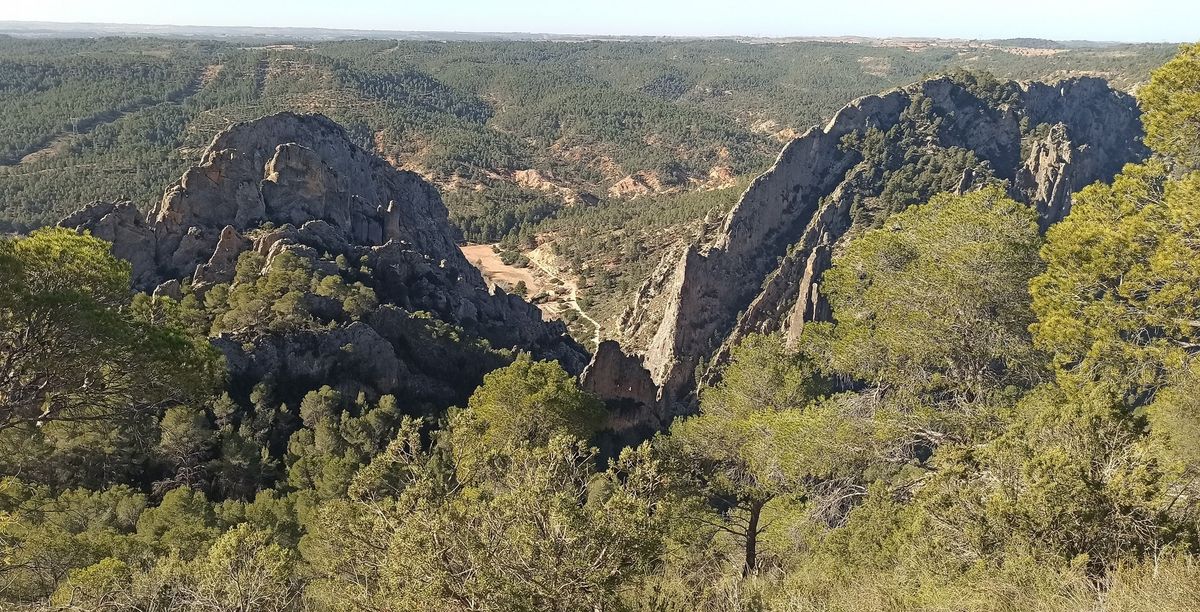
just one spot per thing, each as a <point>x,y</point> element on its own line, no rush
<point>554,300</point>
<point>497,272</point>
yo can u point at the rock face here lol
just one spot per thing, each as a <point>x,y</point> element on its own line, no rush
<point>223,263</point>
<point>297,184</point>
<point>760,270</point>
<point>283,169</point>
<point>1048,176</point>
<point>622,381</point>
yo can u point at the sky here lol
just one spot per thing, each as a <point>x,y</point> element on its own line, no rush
<point>1116,20</point>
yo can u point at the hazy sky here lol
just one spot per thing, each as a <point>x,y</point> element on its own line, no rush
<point>1139,20</point>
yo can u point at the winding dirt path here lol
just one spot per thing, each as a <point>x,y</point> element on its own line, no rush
<point>574,303</point>
<point>544,262</point>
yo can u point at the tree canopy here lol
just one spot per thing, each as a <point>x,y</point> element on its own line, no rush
<point>1117,303</point>
<point>932,309</point>
<point>72,347</point>
<point>1171,102</point>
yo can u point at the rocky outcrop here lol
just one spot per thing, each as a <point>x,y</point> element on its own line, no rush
<point>297,184</point>
<point>760,271</point>
<point>221,266</point>
<point>282,169</point>
<point>123,226</point>
<point>169,289</point>
<point>1047,176</point>
<point>392,352</point>
<point>627,387</point>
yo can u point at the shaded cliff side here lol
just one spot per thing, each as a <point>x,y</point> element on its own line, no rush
<point>760,269</point>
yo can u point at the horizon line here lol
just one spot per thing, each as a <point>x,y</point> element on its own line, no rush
<point>799,37</point>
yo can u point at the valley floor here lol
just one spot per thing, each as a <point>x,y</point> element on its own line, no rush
<point>547,284</point>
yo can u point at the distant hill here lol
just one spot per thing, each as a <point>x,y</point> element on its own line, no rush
<point>50,29</point>
<point>54,29</point>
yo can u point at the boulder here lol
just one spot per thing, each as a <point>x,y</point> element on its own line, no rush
<point>170,289</point>
<point>222,265</point>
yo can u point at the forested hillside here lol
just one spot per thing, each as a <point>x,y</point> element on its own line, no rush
<point>563,122</point>
<point>993,418</point>
<point>521,137</point>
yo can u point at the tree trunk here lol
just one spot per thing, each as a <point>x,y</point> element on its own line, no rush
<point>752,538</point>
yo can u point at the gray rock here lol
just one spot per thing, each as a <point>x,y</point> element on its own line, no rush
<point>222,265</point>
<point>286,169</point>
<point>1047,176</point>
<point>323,196</point>
<point>122,225</point>
<point>354,358</point>
<point>170,289</point>
<point>622,381</point>
<point>760,269</point>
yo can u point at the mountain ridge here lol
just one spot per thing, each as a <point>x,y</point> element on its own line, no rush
<point>72,28</point>
<point>292,192</point>
<point>759,270</point>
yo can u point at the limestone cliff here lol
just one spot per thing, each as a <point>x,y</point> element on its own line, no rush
<point>297,184</point>
<point>760,271</point>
